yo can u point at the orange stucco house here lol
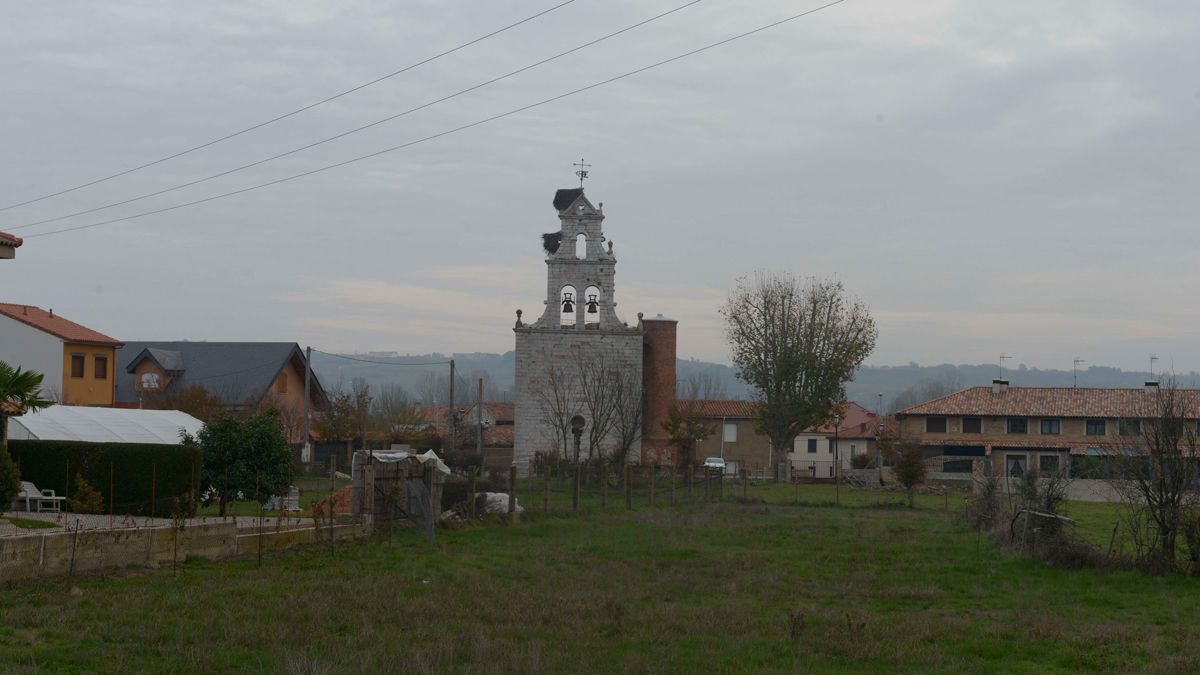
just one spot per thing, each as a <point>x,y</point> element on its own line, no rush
<point>78,363</point>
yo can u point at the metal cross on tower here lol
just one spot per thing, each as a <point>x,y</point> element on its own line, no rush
<point>582,172</point>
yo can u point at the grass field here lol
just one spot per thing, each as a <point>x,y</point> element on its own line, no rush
<point>718,587</point>
<point>31,524</point>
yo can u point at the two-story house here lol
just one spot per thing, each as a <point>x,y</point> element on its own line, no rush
<point>817,450</point>
<point>1016,429</point>
<point>243,375</point>
<point>78,363</point>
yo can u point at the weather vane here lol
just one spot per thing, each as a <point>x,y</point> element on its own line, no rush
<point>582,172</point>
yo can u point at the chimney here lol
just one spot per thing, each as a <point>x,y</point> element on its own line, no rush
<point>999,386</point>
<point>51,312</point>
<point>1151,387</point>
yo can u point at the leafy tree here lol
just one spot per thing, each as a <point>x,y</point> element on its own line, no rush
<point>344,418</point>
<point>85,498</point>
<point>685,430</point>
<point>910,468</point>
<point>249,456</point>
<point>20,389</point>
<point>797,344</point>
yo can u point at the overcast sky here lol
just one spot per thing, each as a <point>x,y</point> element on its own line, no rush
<point>987,176</point>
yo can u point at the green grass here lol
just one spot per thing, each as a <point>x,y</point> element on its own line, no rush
<point>31,523</point>
<point>764,587</point>
<point>312,490</point>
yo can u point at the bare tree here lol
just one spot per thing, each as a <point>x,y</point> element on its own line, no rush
<point>702,386</point>
<point>628,410</point>
<point>598,376</point>
<point>685,429</point>
<point>797,344</point>
<point>926,390</point>
<point>558,402</point>
<point>1157,475</point>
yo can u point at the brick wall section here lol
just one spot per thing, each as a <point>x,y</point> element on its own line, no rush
<point>658,380</point>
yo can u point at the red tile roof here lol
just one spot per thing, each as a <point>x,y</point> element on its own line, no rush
<point>1052,402</point>
<point>51,323</point>
<point>717,408</point>
<point>857,422</point>
<point>7,239</point>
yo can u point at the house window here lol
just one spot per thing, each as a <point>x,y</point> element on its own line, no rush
<point>101,365</point>
<point>935,425</point>
<point>1018,425</point>
<point>1051,425</point>
<point>77,366</point>
<point>730,433</point>
<point>1129,427</point>
<point>1048,464</point>
<point>1015,465</point>
<point>812,445</point>
<point>148,381</point>
<point>1095,428</point>
<point>972,425</point>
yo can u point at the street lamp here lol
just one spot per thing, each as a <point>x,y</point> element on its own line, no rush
<point>577,425</point>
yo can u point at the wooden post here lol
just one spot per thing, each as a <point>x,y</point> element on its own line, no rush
<point>67,485</point>
<point>707,485</point>
<point>512,493</point>
<point>691,473</point>
<point>673,470</point>
<point>603,485</point>
<point>429,471</point>
<point>651,468</point>
<point>111,511</point>
<point>628,487</point>
<point>471,506</point>
<point>546,492</point>
<point>153,487</point>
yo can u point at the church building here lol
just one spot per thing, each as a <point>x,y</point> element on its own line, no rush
<point>579,332</point>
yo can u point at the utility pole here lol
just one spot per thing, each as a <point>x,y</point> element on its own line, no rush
<point>879,437</point>
<point>479,421</point>
<point>308,453</point>
<point>450,409</point>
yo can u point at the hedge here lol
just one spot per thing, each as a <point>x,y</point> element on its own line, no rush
<point>138,471</point>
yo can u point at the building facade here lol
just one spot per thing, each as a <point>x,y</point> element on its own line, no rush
<point>578,327</point>
<point>818,450</point>
<point>9,245</point>
<point>1010,430</point>
<point>78,363</point>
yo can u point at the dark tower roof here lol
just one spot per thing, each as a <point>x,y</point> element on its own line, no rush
<point>564,198</point>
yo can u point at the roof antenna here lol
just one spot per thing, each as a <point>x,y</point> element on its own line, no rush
<point>1153,358</point>
<point>1003,358</point>
<point>1075,372</point>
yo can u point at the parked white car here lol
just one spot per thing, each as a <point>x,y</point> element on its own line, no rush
<point>715,464</point>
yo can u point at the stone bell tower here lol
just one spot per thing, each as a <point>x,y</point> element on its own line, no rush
<point>579,323</point>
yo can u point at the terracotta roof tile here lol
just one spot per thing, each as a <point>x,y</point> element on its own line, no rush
<point>718,408</point>
<point>858,422</point>
<point>55,325</point>
<point>1051,402</point>
<point>7,239</point>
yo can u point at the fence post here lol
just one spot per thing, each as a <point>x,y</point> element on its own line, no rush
<point>603,485</point>
<point>674,469</point>
<point>651,468</point>
<point>628,487</point>
<point>707,485</point>
<point>111,510</point>
<point>545,491</point>
<point>471,507</point>
<point>691,473</point>
<point>153,486</point>
<point>512,493</point>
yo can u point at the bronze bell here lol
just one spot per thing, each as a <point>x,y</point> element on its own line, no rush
<point>568,303</point>
<point>592,304</point>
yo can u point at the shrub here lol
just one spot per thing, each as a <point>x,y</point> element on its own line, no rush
<point>85,499</point>
<point>910,468</point>
<point>10,484</point>
<point>138,472</point>
<point>456,490</point>
<point>861,462</point>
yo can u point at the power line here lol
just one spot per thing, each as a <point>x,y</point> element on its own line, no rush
<point>292,113</point>
<point>448,131</point>
<point>382,363</point>
<point>361,128</point>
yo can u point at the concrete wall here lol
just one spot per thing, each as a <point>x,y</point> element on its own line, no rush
<point>47,555</point>
<point>31,349</point>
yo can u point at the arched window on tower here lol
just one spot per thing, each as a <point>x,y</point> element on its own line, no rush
<point>581,246</point>
<point>591,312</point>
<point>566,306</point>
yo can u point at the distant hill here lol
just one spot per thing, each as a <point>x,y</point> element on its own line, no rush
<point>891,381</point>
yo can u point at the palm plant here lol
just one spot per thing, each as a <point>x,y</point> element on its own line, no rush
<point>20,389</point>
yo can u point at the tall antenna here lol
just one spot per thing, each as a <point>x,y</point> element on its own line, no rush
<point>1153,358</point>
<point>583,170</point>
<point>1003,358</point>
<point>1075,371</point>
